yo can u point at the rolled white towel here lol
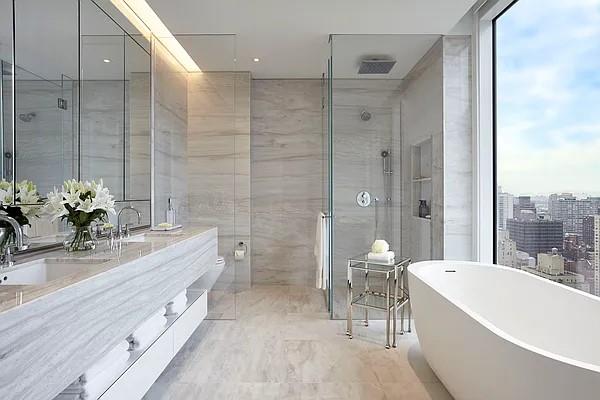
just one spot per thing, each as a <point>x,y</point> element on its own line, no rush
<point>94,388</point>
<point>91,387</point>
<point>107,361</point>
<point>387,257</point>
<point>148,331</point>
<point>177,305</point>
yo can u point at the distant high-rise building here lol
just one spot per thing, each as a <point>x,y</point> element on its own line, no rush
<point>595,202</point>
<point>588,230</point>
<point>596,257</point>
<point>536,236</point>
<point>524,205</point>
<point>574,248</point>
<point>504,208</point>
<point>507,250</point>
<point>571,211</point>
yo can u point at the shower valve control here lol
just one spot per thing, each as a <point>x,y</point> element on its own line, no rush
<point>363,199</point>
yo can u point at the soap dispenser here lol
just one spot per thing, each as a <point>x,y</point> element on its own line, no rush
<point>171,213</point>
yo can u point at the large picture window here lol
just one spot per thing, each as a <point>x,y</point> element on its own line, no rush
<point>547,139</point>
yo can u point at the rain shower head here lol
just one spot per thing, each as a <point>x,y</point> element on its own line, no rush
<point>376,65</point>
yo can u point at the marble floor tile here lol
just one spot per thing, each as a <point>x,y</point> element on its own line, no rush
<point>284,346</point>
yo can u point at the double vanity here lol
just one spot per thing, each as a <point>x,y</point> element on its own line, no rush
<point>62,312</point>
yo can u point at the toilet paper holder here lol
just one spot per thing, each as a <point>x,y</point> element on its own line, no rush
<point>240,251</point>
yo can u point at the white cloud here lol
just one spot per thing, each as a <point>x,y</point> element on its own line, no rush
<point>549,91</point>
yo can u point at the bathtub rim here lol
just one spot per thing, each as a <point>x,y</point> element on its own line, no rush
<point>492,327</point>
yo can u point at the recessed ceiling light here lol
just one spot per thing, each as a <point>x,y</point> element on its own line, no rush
<point>106,60</point>
<point>256,59</point>
<point>143,17</point>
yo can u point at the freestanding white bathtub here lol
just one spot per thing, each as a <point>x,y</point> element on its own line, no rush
<point>491,332</point>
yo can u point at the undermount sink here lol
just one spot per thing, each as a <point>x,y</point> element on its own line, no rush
<point>45,270</point>
<point>153,237</point>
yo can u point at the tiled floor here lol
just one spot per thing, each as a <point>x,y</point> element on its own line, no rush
<point>283,346</point>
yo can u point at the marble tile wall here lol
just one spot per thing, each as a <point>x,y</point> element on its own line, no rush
<point>421,104</point>
<point>436,104</point>
<point>218,172</point>
<point>170,135</point>
<point>358,166</point>
<point>286,163</point>
<point>458,158</point>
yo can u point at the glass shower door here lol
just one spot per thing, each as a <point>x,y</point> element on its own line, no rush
<point>364,155</point>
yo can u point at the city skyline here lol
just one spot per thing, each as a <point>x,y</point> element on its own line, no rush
<point>548,82</point>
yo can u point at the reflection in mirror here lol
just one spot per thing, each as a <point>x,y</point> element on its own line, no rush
<point>46,54</point>
<point>115,109</point>
<point>38,104</point>
<point>6,105</point>
<point>137,143</point>
<point>81,90</point>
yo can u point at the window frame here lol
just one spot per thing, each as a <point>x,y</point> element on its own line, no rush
<point>484,122</point>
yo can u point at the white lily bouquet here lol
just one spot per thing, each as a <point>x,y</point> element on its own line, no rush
<point>80,204</point>
<point>20,201</point>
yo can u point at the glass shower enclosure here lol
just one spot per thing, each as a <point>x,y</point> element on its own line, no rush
<point>363,154</point>
<point>365,195</point>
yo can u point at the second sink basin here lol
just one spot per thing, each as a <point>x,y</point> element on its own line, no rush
<point>45,270</point>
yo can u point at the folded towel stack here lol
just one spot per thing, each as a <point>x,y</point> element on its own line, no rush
<point>92,384</point>
<point>386,257</point>
<point>143,336</point>
<point>177,305</point>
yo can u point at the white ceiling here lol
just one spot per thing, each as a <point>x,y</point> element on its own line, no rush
<point>291,37</point>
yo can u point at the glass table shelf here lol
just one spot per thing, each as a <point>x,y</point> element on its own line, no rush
<point>377,301</point>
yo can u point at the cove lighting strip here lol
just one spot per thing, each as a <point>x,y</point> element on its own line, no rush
<point>143,17</point>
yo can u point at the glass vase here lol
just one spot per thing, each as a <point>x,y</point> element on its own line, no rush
<point>81,239</point>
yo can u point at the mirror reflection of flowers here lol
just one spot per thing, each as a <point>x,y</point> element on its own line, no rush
<point>20,201</point>
<point>80,204</point>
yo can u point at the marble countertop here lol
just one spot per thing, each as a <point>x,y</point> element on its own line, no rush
<point>12,296</point>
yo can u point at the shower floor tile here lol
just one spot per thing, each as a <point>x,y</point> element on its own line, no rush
<point>283,346</point>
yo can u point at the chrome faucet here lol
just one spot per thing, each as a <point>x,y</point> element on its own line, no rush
<point>7,259</point>
<point>120,227</point>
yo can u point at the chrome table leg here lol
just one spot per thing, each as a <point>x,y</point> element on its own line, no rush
<point>395,304</point>
<point>402,309</point>
<point>349,303</point>
<point>389,311</point>
<point>366,290</point>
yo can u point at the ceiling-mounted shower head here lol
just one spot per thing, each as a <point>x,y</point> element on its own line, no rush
<point>365,115</point>
<point>376,65</point>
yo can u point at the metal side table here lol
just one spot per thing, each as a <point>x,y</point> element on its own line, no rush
<point>386,301</point>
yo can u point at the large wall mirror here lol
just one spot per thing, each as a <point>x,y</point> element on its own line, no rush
<point>75,103</point>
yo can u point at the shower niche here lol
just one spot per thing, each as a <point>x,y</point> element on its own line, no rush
<point>421,179</point>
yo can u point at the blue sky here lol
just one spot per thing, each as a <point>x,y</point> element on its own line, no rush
<point>549,97</point>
